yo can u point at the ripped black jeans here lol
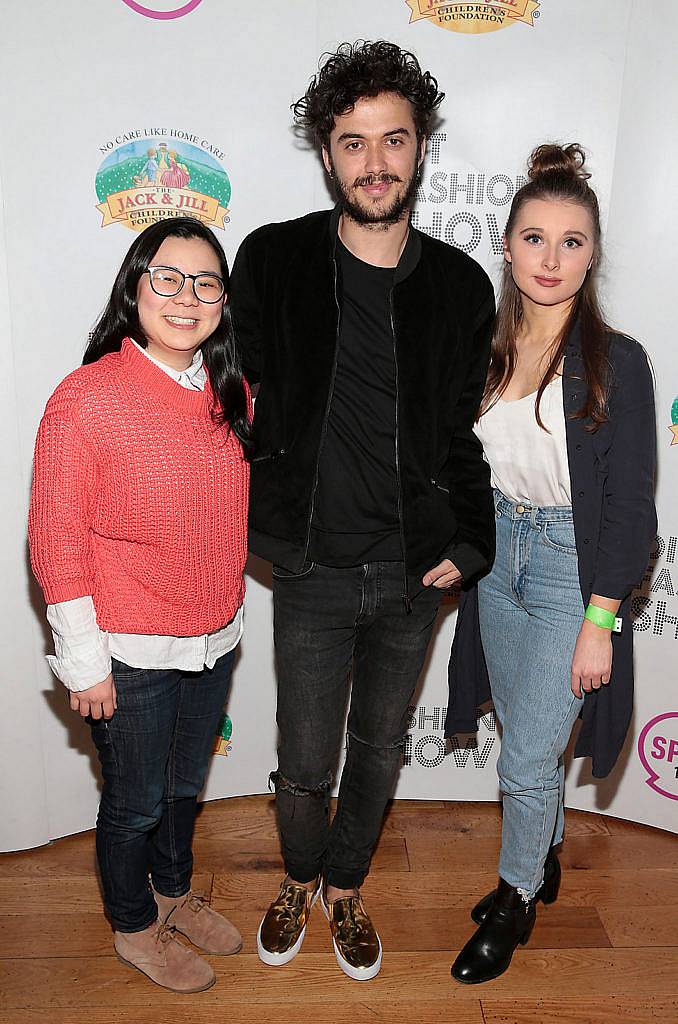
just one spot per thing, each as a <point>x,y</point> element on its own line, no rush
<point>330,624</point>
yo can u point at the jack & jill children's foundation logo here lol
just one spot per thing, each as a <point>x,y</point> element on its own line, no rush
<point>486,16</point>
<point>151,174</point>
<point>222,742</point>
<point>658,752</point>
<point>163,10</point>
<point>674,421</point>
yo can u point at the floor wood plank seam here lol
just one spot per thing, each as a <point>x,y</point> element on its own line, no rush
<point>606,952</point>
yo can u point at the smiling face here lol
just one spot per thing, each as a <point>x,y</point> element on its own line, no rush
<point>551,247</point>
<point>374,157</point>
<point>176,327</point>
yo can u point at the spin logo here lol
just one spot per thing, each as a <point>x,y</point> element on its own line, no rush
<point>658,753</point>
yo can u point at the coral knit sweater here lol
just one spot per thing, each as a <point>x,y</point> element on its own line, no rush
<point>139,500</point>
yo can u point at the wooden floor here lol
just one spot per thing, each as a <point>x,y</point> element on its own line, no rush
<point>607,951</point>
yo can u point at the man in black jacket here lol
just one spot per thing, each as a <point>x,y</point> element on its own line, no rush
<point>370,342</point>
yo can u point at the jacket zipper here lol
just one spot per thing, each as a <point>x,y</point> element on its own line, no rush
<point>323,431</point>
<point>406,594</point>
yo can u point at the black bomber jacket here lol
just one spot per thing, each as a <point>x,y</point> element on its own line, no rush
<point>286,304</point>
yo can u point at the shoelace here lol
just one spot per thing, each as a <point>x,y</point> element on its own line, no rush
<point>165,932</point>
<point>196,902</point>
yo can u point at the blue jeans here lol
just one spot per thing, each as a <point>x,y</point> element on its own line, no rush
<point>329,622</point>
<point>531,611</point>
<point>154,754</point>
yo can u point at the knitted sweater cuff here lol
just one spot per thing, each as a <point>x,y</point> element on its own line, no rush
<point>56,592</point>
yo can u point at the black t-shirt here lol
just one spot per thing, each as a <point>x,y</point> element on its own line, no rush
<point>355,518</point>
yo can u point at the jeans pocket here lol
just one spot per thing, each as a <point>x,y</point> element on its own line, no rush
<point>416,590</point>
<point>102,734</point>
<point>280,573</point>
<point>559,535</point>
<point>127,674</point>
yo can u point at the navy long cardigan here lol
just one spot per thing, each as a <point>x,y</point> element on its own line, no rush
<point>612,478</point>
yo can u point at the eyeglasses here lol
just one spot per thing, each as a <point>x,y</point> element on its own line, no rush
<point>168,281</point>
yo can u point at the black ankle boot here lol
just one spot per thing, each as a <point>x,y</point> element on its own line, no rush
<point>547,893</point>
<point>488,953</point>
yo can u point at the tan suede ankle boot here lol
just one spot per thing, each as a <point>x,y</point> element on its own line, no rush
<point>158,954</point>
<point>193,917</point>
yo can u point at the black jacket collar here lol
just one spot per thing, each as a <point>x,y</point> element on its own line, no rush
<point>409,258</point>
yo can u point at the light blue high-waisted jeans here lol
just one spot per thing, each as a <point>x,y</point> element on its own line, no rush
<point>531,611</point>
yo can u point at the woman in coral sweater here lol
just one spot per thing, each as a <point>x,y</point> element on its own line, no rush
<point>137,531</point>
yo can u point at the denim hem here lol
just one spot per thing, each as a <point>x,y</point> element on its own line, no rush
<point>133,931</point>
<point>172,895</point>
<point>344,880</point>
<point>303,877</point>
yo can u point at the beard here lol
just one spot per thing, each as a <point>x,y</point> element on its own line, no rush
<point>376,214</point>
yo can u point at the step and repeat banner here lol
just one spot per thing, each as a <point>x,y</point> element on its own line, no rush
<point>116,113</point>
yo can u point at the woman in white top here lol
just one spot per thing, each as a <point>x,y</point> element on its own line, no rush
<point>567,424</point>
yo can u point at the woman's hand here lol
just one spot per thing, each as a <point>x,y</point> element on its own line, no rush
<point>98,701</point>
<point>592,660</point>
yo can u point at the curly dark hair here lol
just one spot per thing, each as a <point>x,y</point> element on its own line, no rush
<point>365,69</point>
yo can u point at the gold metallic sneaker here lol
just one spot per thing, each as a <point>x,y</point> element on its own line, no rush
<point>283,927</point>
<point>357,946</point>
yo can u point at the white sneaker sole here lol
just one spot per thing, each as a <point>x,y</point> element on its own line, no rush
<point>356,973</point>
<point>280,959</point>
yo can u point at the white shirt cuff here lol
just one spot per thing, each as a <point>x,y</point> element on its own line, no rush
<point>81,652</point>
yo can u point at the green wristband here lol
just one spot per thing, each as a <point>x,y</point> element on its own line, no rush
<point>601,617</point>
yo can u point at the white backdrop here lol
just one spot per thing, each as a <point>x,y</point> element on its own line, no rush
<point>79,81</point>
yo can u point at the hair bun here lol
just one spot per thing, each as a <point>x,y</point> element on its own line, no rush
<point>550,158</point>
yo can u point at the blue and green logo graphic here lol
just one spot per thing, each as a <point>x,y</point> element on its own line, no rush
<point>151,176</point>
<point>674,421</point>
<point>222,743</point>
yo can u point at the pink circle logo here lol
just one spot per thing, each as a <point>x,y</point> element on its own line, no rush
<point>658,752</point>
<point>162,14</point>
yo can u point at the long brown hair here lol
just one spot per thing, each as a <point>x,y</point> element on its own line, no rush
<point>554,172</point>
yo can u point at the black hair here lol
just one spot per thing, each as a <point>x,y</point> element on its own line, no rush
<point>120,319</point>
<point>364,69</point>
